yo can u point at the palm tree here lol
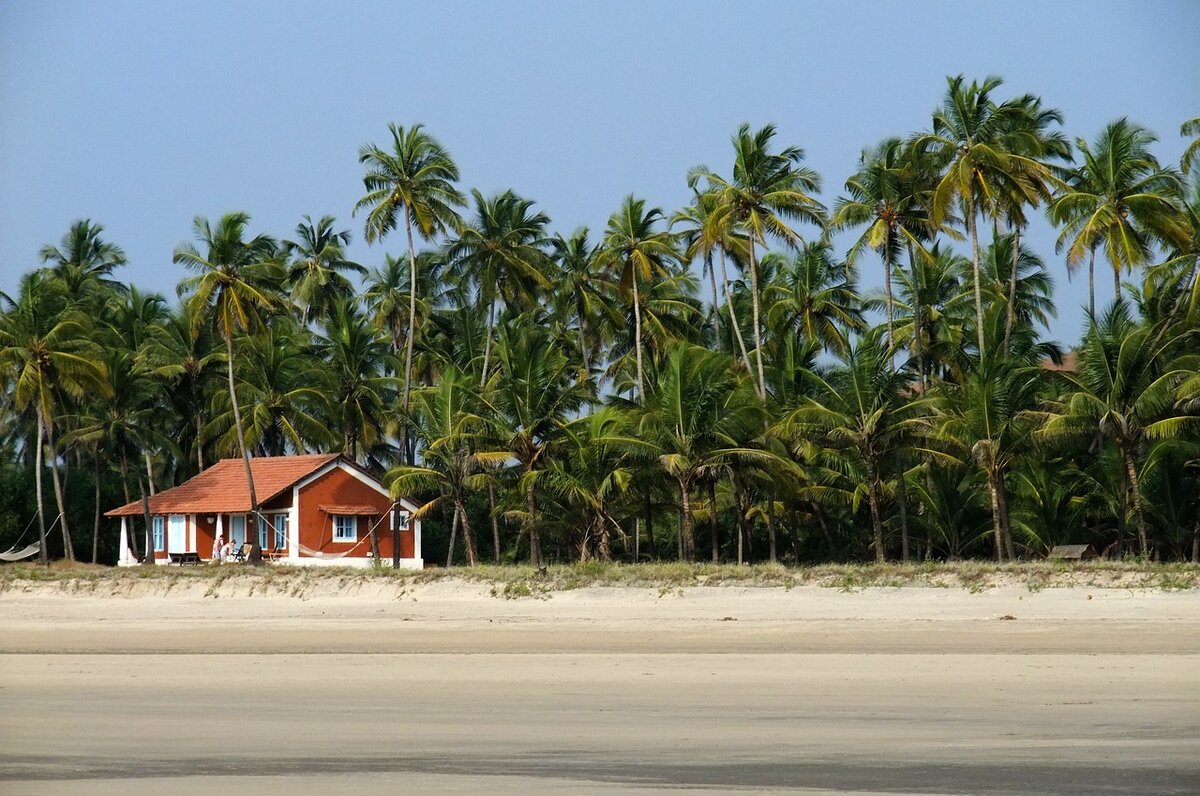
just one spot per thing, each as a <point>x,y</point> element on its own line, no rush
<point>415,178</point>
<point>1123,393</point>
<point>585,291</point>
<point>980,147</point>
<point>767,191</point>
<point>640,251</point>
<point>235,286</point>
<point>317,267</point>
<point>1191,155</point>
<point>532,396</point>
<point>356,359</point>
<point>864,408</point>
<point>883,195</point>
<point>814,296</point>
<point>701,416</point>
<point>503,250</point>
<point>46,355</point>
<point>451,426</point>
<point>1119,199</point>
<point>84,259</point>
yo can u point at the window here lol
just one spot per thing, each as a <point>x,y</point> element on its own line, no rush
<point>237,529</point>
<point>263,526</point>
<point>281,527</point>
<point>159,527</point>
<point>345,528</point>
<point>402,520</point>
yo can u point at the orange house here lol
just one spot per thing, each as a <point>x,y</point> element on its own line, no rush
<point>317,509</point>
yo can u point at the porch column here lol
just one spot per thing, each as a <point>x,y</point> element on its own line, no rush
<point>220,526</point>
<point>124,554</point>
<point>293,542</point>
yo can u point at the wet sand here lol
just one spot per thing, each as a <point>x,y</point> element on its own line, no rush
<point>444,689</point>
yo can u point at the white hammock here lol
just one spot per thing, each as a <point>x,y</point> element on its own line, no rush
<point>308,551</point>
<point>18,555</point>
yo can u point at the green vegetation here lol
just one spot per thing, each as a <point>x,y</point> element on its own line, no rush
<point>555,397</point>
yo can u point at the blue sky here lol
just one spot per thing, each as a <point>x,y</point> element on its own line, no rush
<point>141,115</point>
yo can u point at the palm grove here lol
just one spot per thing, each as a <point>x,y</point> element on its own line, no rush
<point>702,382</point>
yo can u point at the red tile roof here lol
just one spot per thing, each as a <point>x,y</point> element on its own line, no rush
<point>222,488</point>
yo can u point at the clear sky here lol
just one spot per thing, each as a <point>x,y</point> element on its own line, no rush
<point>141,115</point>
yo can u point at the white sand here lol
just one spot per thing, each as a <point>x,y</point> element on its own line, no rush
<point>444,688</point>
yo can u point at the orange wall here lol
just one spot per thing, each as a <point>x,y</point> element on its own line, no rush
<point>339,487</point>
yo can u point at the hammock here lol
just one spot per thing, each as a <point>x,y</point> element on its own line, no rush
<point>17,555</point>
<point>309,552</point>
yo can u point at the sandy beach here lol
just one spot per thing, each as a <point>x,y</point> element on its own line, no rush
<point>443,687</point>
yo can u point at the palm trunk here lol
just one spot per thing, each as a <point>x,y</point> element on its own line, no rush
<point>1005,517</point>
<point>468,538</point>
<point>762,381</point>
<point>876,518</point>
<point>487,344</point>
<point>902,500</point>
<point>1135,487</point>
<point>712,283</point>
<point>535,539</point>
<point>650,528</point>
<point>1196,541</point>
<point>972,222</point>
<point>495,522</point>
<point>1012,290</point>
<point>1092,284</point>
<point>887,293</point>
<point>771,531</point>
<point>199,446</point>
<point>604,545</point>
<point>408,349</point>
<point>1116,282</point>
<point>96,518</point>
<point>712,514</point>
<point>255,547</point>
<point>637,331</point>
<point>59,492</point>
<point>733,321</point>
<point>453,539</point>
<point>43,557</point>
<point>997,533</point>
<point>149,559</point>
<point>132,537</point>
<point>688,532</point>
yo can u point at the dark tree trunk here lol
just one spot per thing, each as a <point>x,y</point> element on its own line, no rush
<point>59,492</point>
<point>712,520</point>
<point>495,522</point>
<point>876,518</point>
<point>252,523</point>
<point>468,538</point>
<point>997,532</point>
<point>43,555</point>
<point>96,518</point>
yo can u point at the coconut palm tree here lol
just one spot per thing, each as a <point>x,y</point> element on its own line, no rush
<point>812,295</point>
<point>413,181</point>
<point>701,417</point>
<point>1124,392</point>
<point>47,355</point>
<point>317,267</point>
<point>884,195</point>
<point>1119,200</point>
<point>236,284</point>
<point>585,291</point>
<point>356,359</point>
<point>84,260</point>
<point>864,409</point>
<point>636,247</point>
<point>532,395</point>
<point>767,192</point>
<point>1191,155</point>
<point>454,460</point>
<point>981,149</point>
<point>503,250</point>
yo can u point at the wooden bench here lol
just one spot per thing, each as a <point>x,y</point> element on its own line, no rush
<point>183,559</point>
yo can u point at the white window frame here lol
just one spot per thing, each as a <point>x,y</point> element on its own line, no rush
<point>337,520</point>
<point>233,518</point>
<point>159,533</point>
<point>264,534</point>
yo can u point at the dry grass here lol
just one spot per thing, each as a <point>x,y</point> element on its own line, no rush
<point>525,581</point>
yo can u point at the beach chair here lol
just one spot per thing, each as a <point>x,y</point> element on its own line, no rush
<point>242,553</point>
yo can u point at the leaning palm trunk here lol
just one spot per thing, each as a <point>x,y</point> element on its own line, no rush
<point>637,331</point>
<point>1136,489</point>
<point>408,350</point>
<point>495,522</point>
<point>468,538</point>
<point>132,537</point>
<point>255,547</point>
<point>487,344</point>
<point>887,293</point>
<point>1005,517</point>
<point>453,539</point>
<point>733,321</point>
<point>43,558</point>
<point>1012,291</point>
<point>762,381</point>
<point>59,493</point>
<point>712,283</point>
<point>972,223</point>
<point>1092,283</point>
